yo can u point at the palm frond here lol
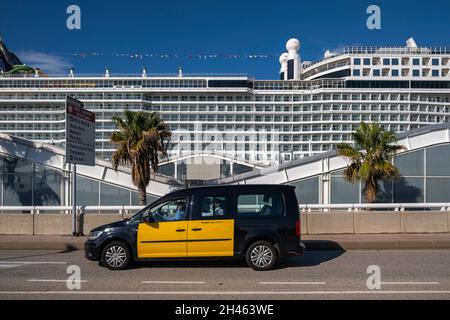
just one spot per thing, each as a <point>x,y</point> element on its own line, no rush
<point>141,139</point>
<point>370,157</point>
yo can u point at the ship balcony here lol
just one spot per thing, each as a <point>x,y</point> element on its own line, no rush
<point>405,72</point>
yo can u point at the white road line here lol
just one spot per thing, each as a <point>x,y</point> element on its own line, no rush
<point>173,282</point>
<point>31,262</point>
<point>371,292</point>
<point>9,266</point>
<point>292,283</point>
<point>54,280</point>
<point>411,282</point>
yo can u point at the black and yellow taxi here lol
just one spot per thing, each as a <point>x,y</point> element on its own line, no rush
<point>260,223</point>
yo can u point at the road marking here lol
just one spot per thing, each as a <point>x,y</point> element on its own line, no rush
<point>411,282</point>
<point>54,280</point>
<point>9,266</point>
<point>292,282</point>
<point>31,262</point>
<point>173,282</point>
<point>371,292</point>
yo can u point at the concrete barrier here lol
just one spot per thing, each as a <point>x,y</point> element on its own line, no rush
<point>303,223</point>
<point>16,224</point>
<point>340,222</point>
<point>91,221</point>
<point>448,221</point>
<point>330,223</point>
<point>377,222</point>
<point>424,222</point>
<point>52,224</point>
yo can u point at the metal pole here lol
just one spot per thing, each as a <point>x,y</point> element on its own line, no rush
<point>74,199</point>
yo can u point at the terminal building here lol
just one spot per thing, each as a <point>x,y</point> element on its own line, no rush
<point>237,129</point>
<point>35,174</point>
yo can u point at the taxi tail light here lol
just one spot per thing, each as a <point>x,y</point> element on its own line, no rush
<point>297,228</point>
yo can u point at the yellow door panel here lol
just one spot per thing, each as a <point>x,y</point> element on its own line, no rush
<point>162,239</point>
<point>210,238</point>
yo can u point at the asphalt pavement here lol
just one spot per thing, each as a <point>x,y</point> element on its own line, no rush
<point>359,274</point>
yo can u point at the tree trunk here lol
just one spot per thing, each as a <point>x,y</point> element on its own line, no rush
<point>370,193</point>
<point>142,197</point>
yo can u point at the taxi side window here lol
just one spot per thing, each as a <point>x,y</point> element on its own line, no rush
<point>172,210</point>
<point>260,205</point>
<point>213,207</point>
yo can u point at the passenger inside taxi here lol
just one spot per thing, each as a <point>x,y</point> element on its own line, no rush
<point>218,207</point>
<point>266,210</point>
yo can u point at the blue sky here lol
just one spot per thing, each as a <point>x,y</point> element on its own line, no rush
<point>37,32</point>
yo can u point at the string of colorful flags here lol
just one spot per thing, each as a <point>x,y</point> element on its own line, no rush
<point>140,56</point>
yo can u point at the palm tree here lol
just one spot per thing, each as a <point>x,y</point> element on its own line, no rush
<point>370,157</point>
<point>141,139</point>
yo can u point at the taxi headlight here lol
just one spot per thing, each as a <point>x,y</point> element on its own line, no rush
<point>94,235</point>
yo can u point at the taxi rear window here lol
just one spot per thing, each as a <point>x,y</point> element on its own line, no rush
<point>253,205</point>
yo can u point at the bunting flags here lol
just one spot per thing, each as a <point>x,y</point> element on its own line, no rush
<point>165,56</point>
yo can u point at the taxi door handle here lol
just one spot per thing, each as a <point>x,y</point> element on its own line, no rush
<point>196,229</point>
<point>180,230</point>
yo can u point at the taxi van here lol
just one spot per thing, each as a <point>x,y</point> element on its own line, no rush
<point>259,223</point>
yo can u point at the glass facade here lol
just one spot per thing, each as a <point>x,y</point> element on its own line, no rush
<point>28,184</point>
<point>24,183</point>
<point>425,177</point>
<point>343,191</point>
<point>307,190</point>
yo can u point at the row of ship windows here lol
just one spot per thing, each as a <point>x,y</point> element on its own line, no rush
<point>315,108</point>
<point>281,138</point>
<point>182,130</point>
<point>54,113</point>
<point>224,118</point>
<point>257,98</point>
<point>306,118</point>
<point>52,84</point>
<point>396,73</point>
<point>254,146</point>
<point>57,115</point>
<point>424,61</point>
<point>258,85</point>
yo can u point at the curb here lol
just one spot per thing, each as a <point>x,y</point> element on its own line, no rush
<point>317,245</point>
<point>311,245</point>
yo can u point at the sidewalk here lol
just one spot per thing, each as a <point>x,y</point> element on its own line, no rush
<point>312,242</point>
<point>377,241</point>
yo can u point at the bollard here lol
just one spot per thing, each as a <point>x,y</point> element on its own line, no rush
<point>80,221</point>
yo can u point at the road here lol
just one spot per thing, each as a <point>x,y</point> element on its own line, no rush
<point>409,274</point>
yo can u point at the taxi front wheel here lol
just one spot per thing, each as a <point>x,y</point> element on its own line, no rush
<point>261,255</point>
<point>116,255</point>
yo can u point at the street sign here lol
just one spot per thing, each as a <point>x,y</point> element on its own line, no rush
<point>80,133</point>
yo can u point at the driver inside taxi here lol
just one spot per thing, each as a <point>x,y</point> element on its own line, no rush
<point>180,214</point>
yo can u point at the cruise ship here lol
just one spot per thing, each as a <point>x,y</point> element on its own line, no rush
<point>236,123</point>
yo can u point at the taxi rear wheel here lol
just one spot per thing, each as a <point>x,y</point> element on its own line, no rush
<point>261,255</point>
<point>116,255</point>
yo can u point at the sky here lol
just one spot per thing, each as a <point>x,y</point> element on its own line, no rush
<point>229,33</point>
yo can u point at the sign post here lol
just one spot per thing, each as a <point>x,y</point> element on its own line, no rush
<point>80,144</point>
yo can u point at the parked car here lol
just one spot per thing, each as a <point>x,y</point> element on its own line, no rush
<point>260,223</point>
